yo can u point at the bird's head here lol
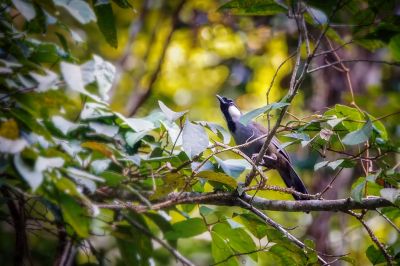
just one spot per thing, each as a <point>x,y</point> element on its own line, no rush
<point>228,108</point>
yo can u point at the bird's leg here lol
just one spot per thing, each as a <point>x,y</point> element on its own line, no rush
<point>267,161</point>
<point>270,160</point>
<point>263,180</point>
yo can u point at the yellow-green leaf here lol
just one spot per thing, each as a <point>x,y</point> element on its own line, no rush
<point>9,129</point>
<point>97,146</point>
<point>218,177</point>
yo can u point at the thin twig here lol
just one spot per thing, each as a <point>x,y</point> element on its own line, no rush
<point>329,186</point>
<point>334,49</point>
<point>397,64</point>
<point>388,257</point>
<point>389,221</point>
<point>295,83</point>
<point>277,226</point>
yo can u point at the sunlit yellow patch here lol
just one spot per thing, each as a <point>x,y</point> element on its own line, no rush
<point>9,129</point>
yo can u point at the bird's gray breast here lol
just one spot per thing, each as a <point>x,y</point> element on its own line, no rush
<point>244,134</point>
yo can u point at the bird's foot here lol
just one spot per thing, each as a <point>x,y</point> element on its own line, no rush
<point>254,159</point>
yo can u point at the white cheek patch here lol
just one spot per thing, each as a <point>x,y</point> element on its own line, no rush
<point>234,112</point>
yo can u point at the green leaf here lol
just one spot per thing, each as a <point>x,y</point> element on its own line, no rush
<point>12,146</point>
<point>32,177</point>
<point>221,251</point>
<point>204,210</point>
<point>248,117</point>
<point>195,139</point>
<point>374,255</point>
<point>73,76</point>
<point>46,163</point>
<point>97,146</point>
<point>391,194</point>
<point>84,178</point>
<point>93,110</point>
<point>319,165</point>
<point>379,127</point>
<point>287,256</point>
<point>47,81</point>
<point>346,163</point>
<point>106,21</point>
<point>31,122</point>
<point>391,212</point>
<point>79,9</point>
<point>218,177</point>
<point>300,136</point>
<point>276,236</point>
<point>26,8</point>
<point>138,124</point>
<point>351,115</point>
<point>358,189</point>
<point>187,228</point>
<point>309,250</point>
<point>112,179</point>
<point>349,260</point>
<point>174,132</point>
<point>171,115</point>
<point>101,71</point>
<point>75,215</point>
<point>359,136</point>
<point>318,16</point>
<point>103,129</point>
<point>133,137</point>
<point>335,121</point>
<point>162,223</point>
<point>254,224</point>
<point>394,46</point>
<point>63,41</point>
<point>172,181</point>
<point>270,259</point>
<point>135,247</point>
<point>233,167</point>
<point>63,125</point>
<point>254,7</point>
<point>335,164</point>
<point>238,239</point>
<point>44,52</point>
<point>221,132</point>
<point>99,166</point>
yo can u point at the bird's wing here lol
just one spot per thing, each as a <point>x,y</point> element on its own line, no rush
<point>274,140</point>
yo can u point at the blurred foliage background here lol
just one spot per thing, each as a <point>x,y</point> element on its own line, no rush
<point>185,52</point>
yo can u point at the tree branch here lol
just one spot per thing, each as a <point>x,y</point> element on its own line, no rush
<point>16,209</point>
<point>232,199</point>
<point>388,257</point>
<point>277,226</point>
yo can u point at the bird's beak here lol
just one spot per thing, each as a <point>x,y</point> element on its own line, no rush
<point>221,100</point>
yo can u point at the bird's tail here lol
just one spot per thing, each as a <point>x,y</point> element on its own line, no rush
<point>292,179</point>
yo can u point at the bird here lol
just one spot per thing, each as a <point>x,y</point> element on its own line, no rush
<point>275,157</point>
